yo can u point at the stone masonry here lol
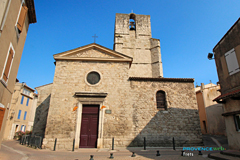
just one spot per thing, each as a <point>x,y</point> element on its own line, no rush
<point>126,94</point>
<point>40,120</point>
<point>138,44</point>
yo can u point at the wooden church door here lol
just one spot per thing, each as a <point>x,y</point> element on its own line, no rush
<point>89,126</point>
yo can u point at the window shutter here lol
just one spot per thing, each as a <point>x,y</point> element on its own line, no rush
<point>232,62</point>
<point>19,114</point>
<point>7,68</point>
<point>21,18</point>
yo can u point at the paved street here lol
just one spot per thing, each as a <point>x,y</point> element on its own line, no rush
<point>13,150</point>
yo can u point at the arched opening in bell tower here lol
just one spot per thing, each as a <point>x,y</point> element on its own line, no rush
<point>132,24</point>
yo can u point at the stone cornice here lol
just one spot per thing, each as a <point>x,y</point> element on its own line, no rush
<point>92,46</point>
<point>90,94</point>
<point>187,80</point>
<point>93,59</point>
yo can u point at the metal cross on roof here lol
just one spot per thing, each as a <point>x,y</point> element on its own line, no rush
<point>95,37</point>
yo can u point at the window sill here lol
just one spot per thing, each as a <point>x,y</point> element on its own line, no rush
<point>164,111</point>
<point>3,82</point>
<point>17,32</point>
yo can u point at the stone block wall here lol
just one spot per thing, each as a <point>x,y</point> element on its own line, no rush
<point>139,45</point>
<point>181,120</point>
<point>156,60</point>
<point>70,77</point>
<point>40,120</point>
<point>134,43</point>
<point>134,114</point>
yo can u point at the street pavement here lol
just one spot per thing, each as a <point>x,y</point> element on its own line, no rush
<point>12,150</point>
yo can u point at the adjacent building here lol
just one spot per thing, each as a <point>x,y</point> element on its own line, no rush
<point>210,112</point>
<point>15,17</point>
<point>99,93</point>
<point>227,59</point>
<point>20,110</point>
<point>32,112</point>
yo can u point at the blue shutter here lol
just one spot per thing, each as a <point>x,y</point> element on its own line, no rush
<point>19,114</point>
<point>25,115</point>
<point>27,101</point>
<point>22,99</point>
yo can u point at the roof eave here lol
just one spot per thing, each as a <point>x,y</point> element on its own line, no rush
<point>226,33</point>
<point>31,11</point>
<point>191,80</point>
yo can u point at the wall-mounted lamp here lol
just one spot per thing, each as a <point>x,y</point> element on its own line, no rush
<point>210,56</point>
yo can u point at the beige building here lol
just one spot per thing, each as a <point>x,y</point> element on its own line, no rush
<point>227,59</point>
<point>99,93</point>
<point>20,110</point>
<point>15,17</point>
<point>210,112</point>
<point>32,112</point>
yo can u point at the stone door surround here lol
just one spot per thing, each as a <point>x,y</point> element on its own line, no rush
<point>94,98</point>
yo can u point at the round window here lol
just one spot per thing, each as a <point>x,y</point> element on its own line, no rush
<point>93,77</point>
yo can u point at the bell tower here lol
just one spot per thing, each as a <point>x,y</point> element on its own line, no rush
<point>132,37</point>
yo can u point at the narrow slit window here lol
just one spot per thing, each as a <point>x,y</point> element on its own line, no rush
<point>161,100</point>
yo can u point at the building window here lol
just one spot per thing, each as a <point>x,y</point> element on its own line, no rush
<point>27,101</point>
<point>19,114</point>
<point>23,128</point>
<point>161,100</point>
<point>26,92</point>
<point>21,18</point>
<point>8,64</point>
<point>93,78</point>
<point>22,99</point>
<point>237,122</point>
<point>25,115</point>
<point>232,62</point>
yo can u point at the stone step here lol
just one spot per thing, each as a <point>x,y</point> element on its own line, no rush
<point>232,153</point>
<point>220,156</point>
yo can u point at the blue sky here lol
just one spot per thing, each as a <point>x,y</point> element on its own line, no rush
<point>188,30</point>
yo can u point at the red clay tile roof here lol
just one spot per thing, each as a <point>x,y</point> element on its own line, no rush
<point>161,79</point>
<point>226,95</point>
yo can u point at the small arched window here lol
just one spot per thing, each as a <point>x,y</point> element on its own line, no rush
<point>161,100</point>
<point>132,24</point>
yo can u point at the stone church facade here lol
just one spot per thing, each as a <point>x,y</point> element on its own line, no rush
<point>98,93</point>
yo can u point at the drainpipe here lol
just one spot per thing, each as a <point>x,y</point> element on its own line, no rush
<point>204,103</point>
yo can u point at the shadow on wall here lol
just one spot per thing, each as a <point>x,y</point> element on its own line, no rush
<point>215,120</point>
<point>182,124</point>
<point>40,120</point>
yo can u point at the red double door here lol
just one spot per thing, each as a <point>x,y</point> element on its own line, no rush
<point>89,126</point>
